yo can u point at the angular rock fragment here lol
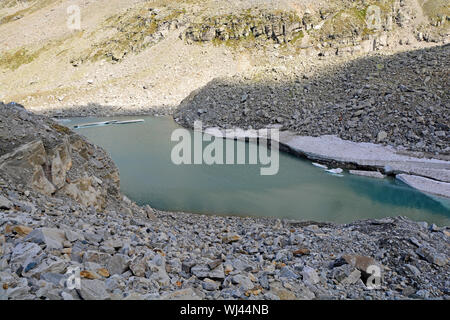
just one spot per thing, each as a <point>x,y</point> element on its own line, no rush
<point>93,290</point>
<point>51,237</point>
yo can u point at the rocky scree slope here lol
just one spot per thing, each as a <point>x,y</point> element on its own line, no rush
<point>61,208</point>
<point>401,100</point>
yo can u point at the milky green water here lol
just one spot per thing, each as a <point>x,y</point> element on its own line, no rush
<point>299,190</point>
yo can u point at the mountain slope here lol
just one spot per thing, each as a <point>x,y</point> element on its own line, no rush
<point>145,55</point>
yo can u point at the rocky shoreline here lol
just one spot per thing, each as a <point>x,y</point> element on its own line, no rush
<point>429,173</point>
<point>434,173</point>
<point>378,113</point>
<point>96,110</point>
<point>69,213</point>
<point>430,176</point>
<point>398,100</point>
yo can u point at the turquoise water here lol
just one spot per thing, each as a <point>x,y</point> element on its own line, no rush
<point>299,191</point>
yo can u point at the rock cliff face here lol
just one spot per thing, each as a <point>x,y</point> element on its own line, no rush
<point>40,154</point>
<point>282,27</point>
<point>346,27</point>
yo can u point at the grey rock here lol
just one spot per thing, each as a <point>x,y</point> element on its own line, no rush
<point>3,294</point>
<point>382,135</point>
<point>352,278</point>
<point>187,265</point>
<point>20,292</point>
<point>413,269</point>
<point>5,204</point>
<point>57,279</point>
<point>310,275</point>
<point>264,281</point>
<point>24,164</point>
<point>200,271</point>
<point>287,272</point>
<point>115,282</point>
<point>23,254</point>
<point>73,236</point>
<point>93,290</point>
<point>214,264</point>
<point>158,273</point>
<point>432,256</point>
<point>242,265</point>
<point>93,237</point>
<point>51,237</point>
<point>415,242</point>
<point>184,294</point>
<point>422,294</point>
<point>95,256</point>
<point>244,282</point>
<point>138,266</point>
<point>210,285</point>
<point>67,296</point>
<point>49,265</point>
<point>118,264</point>
<point>217,273</point>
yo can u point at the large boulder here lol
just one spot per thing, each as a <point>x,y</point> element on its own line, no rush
<point>5,203</point>
<point>51,237</point>
<point>37,153</point>
<point>93,290</point>
<point>83,191</point>
<point>60,162</point>
<point>23,254</point>
<point>25,165</point>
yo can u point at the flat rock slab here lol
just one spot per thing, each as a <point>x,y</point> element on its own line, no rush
<point>436,174</point>
<point>434,187</point>
<point>371,174</point>
<point>93,290</point>
<point>51,237</point>
<point>362,153</point>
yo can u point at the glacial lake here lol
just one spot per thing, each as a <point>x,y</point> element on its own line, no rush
<point>299,190</point>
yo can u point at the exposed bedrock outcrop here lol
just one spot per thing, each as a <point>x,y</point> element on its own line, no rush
<point>280,27</point>
<point>335,28</point>
<point>55,161</point>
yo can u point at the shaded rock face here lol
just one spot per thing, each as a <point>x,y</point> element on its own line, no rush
<point>50,159</point>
